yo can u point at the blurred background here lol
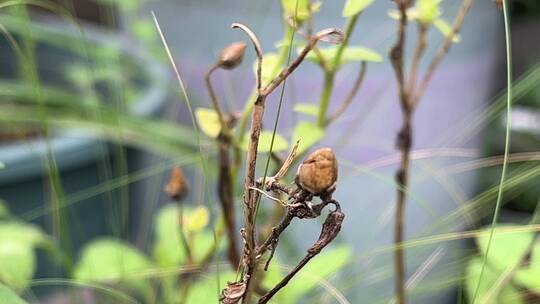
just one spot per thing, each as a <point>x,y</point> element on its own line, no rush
<point>92,120</point>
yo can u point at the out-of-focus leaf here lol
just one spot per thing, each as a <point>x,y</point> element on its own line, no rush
<point>323,267</point>
<point>445,29</point>
<point>196,220</point>
<point>280,143</point>
<point>169,249</point>
<point>428,10</point>
<point>144,29</point>
<point>27,234</point>
<point>206,289</point>
<point>18,264</point>
<point>269,66</point>
<point>290,9</point>
<point>208,122</point>
<point>308,133</point>
<point>2,166</point>
<point>507,250</point>
<point>107,260</point>
<point>9,296</point>
<point>350,54</point>
<point>353,7</point>
<point>508,295</point>
<point>306,108</point>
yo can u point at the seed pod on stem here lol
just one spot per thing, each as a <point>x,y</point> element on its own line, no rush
<point>177,187</point>
<point>231,56</point>
<point>318,172</point>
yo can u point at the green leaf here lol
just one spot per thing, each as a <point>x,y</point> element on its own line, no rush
<point>353,7</point>
<point>268,69</point>
<point>144,29</point>
<point>27,234</point>
<point>507,250</point>
<point>290,9</point>
<point>508,295</point>
<point>107,260</point>
<point>306,108</point>
<point>206,289</point>
<point>428,10</point>
<point>18,264</point>
<point>322,267</point>
<point>2,166</point>
<point>8,296</point>
<point>196,220</point>
<point>445,29</point>
<point>168,249</point>
<point>208,122</point>
<point>280,143</point>
<point>350,54</point>
<point>308,133</point>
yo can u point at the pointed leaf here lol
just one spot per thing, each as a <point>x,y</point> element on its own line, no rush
<point>208,122</point>
<point>265,139</point>
<point>306,108</point>
<point>308,133</point>
<point>353,7</point>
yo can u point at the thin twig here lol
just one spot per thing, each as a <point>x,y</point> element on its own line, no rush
<point>350,97</point>
<point>443,50</point>
<point>420,48</point>
<point>213,96</point>
<point>329,231</point>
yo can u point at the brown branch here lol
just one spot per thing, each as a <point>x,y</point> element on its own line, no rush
<point>350,97</point>
<point>213,96</point>
<point>329,231</point>
<point>420,48</point>
<point>443,50</point>
<point>404,143</point>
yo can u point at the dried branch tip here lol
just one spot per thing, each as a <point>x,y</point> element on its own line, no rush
<point>177,187</point>
<point>233,293</point>
<point>318,173</point>
<point>232,56</point>
<point>330,35</point>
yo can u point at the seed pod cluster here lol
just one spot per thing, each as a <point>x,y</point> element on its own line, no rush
<point>231,56</point>
<point>318,172</point>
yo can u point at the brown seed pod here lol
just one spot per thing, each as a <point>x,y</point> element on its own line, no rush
<point>231,56</point>
<point>177,187</point>
<point>318,172</point>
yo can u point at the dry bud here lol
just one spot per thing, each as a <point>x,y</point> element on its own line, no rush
<point>232,55</point>
<point>177,187</point>
<point>318,172</point>
<point>233,293</point>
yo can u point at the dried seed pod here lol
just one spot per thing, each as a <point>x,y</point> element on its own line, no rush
<point>177,187</point>
<point>318,172</point>
<point>233,293</point>
<point>232,55</point>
